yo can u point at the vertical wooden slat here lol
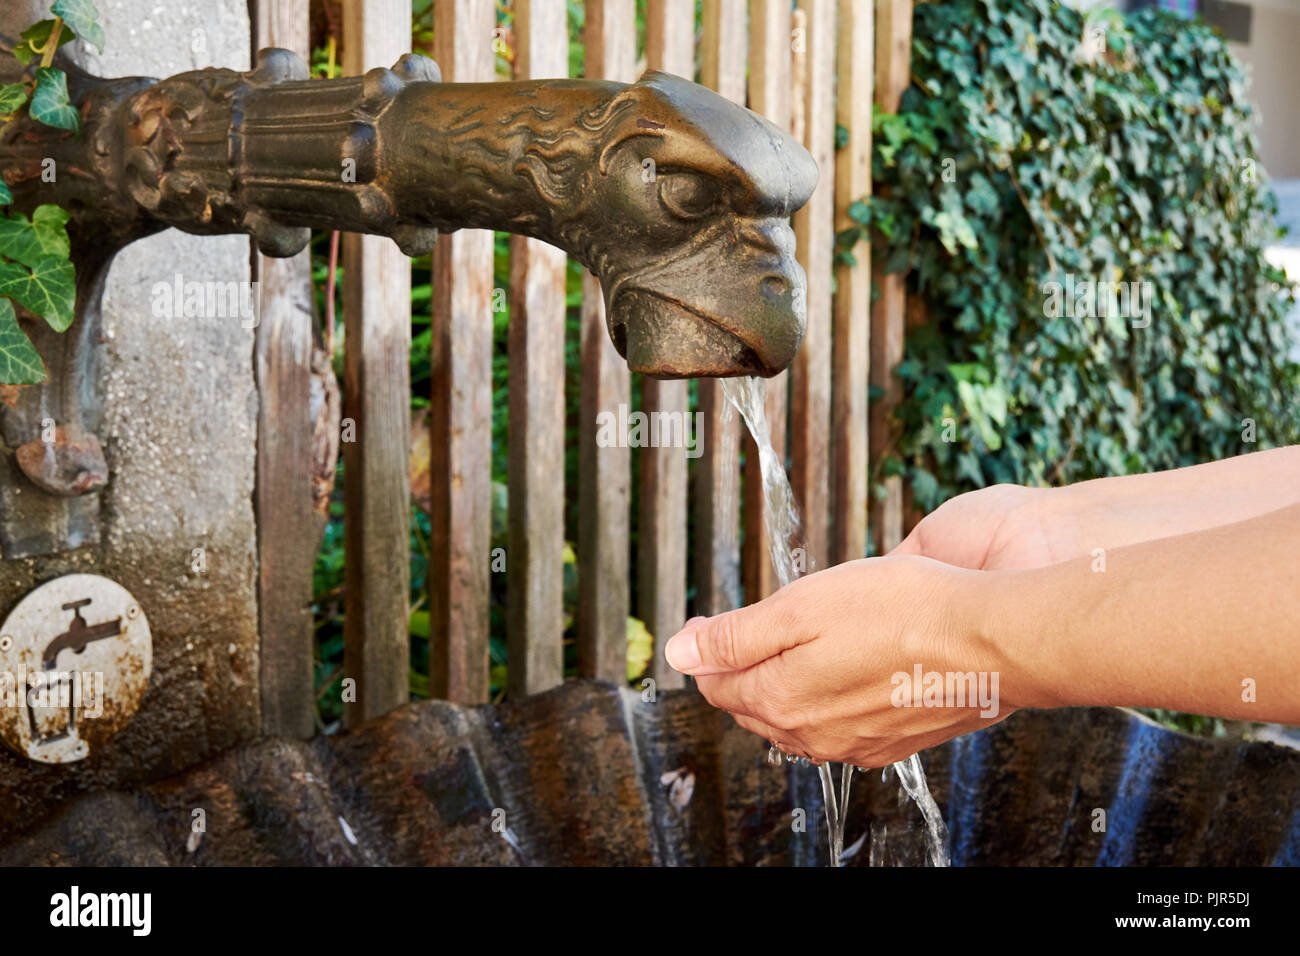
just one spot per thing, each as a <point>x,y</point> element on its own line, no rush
<point>717,471</point>
<point>377,324</point>
<point>893,63</point>
<point>769,94</point>
<point>284,454</point>
<point>460,419</point>
<point>661,531</point>
<point>535,551</point>
<point>603,473</point>
<point>849,492</point>
<point>915,313</point>
<point>810,379</point>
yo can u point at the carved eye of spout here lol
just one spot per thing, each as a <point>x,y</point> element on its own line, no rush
<point>688,195</point>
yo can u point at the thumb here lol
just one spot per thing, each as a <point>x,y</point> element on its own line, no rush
<point>911,544</point>
<point>732,641</point>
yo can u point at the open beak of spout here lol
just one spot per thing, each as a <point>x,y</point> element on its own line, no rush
<point>735,306</point>
<point>669,338</point>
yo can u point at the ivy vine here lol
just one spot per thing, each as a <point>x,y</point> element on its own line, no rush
<point>35,269</point>
<point>1038,145</point>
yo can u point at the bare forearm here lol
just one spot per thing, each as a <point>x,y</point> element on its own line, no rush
<point>1112,512</point>
<point>1189,623</point>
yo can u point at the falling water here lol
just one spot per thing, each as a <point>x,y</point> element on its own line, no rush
<point>782,520</point>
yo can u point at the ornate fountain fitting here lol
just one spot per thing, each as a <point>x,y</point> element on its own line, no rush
<point>677,199</point>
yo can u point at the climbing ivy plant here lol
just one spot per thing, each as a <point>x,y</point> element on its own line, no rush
<point>35,269</point>
<point>1037,145</point>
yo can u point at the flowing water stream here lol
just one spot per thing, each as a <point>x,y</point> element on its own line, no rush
<point>783,531</point>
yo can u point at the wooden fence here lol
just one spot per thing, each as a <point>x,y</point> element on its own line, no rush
<point>809,67</point>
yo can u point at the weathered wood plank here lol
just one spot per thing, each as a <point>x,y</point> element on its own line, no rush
<point>893,64</point>
<point>460,419</point>
<point>915,313</point>
<point>535,550</point>
<point>377,509</point>
<point>810,378</point>
<point>724,48</point>
<point>661,530</point>
<point>769,94</point>
<point>604,474</point>
<point>849,476</point>
<point>282,362</point>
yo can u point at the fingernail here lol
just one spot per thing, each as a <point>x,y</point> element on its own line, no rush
<point>683,651</point>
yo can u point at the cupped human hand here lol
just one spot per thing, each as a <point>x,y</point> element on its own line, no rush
<point>824,667</point>
<point>1002,527</point>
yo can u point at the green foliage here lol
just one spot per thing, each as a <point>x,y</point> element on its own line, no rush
<point>1194,724</point>
<point>35,38</point>
<point>50,104</point>
<point>1022,157</point>
<point>35,272</point>
<point>35,269</point>
<point>20,364</point>
<point>41,237</point>
<point>45,289</point>
<point>81,17</point>
<point>12,98</point>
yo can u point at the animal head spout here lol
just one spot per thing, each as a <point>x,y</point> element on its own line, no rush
<point>678,199</point>
<point>693,244</point>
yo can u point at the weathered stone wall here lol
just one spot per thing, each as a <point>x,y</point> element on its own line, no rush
<point>178,412</point>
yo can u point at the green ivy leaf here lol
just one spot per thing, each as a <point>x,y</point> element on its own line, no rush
<point>12,97</point>
<point>50,103</point>
<point>48,290</point>
<point>982,407</point>
<point>926,490</point>
<point>954,229</point>
<point>6,197</point>
<point>81,17</point>
<point>42,237</point>
<point>892,465</point>
<point>34,38</point>
<point>20,363</point>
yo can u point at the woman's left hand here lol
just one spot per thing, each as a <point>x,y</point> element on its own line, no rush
<point>825,667</point>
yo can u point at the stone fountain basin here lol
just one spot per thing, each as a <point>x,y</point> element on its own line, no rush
<point>590,774</point>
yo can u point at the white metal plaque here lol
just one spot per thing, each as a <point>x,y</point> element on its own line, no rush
<point>75,659</point>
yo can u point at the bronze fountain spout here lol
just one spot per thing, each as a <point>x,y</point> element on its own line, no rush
<point>677,199</point>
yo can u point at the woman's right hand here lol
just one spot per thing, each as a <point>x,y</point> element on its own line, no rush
<point>1008,527</point>
<point>1002,527</point>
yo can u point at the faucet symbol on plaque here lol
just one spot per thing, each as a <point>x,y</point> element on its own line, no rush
<point>56,719</point>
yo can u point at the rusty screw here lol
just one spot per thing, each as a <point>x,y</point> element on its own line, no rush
<point>6,642</point>
<point>133,611</point>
